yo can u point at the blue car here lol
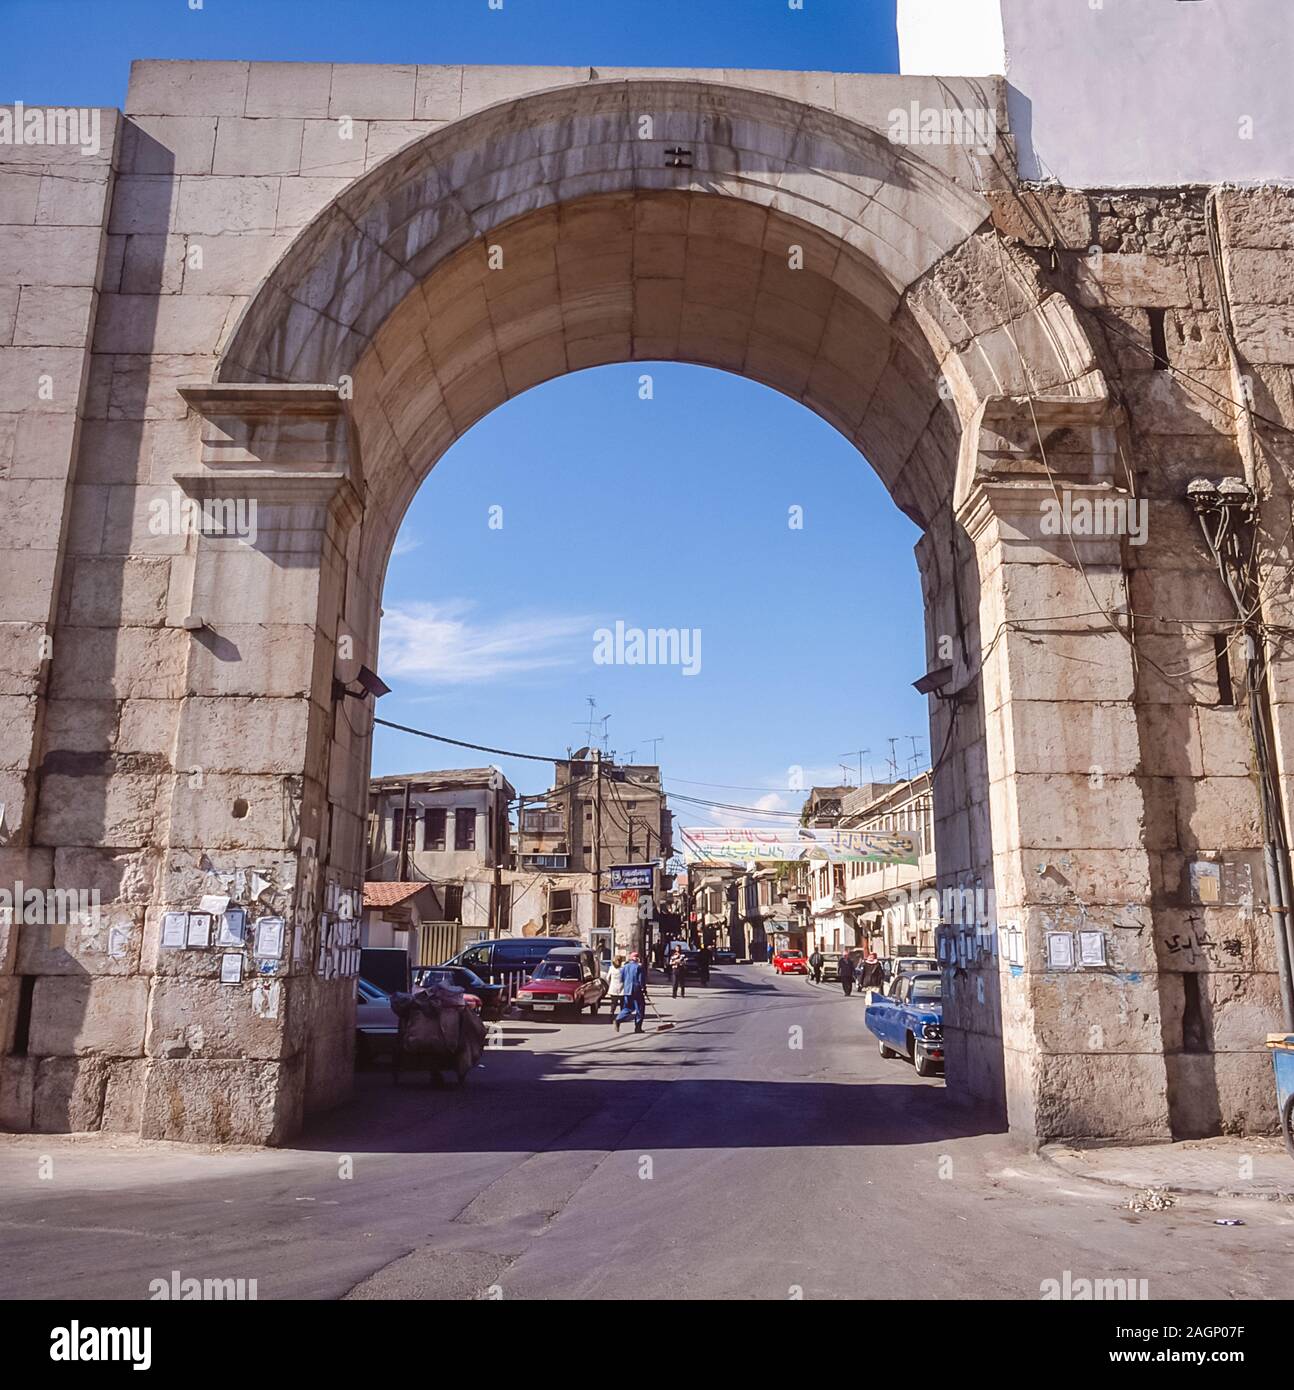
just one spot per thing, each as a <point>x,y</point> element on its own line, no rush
<point>909,1022</point>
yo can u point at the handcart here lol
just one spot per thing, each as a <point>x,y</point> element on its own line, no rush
<point>438,1031</point>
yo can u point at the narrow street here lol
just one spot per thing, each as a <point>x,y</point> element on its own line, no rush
<point>717,1159</point>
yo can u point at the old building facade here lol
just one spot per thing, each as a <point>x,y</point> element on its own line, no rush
<point>236,338</point>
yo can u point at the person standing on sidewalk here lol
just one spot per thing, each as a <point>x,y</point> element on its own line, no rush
<point>815,964</point>
<point>633,989</point>
<point>615,988</point>
<point>846,971</point>
<point>679,971</point>
<point>871,976</point>
<point>703,964</point>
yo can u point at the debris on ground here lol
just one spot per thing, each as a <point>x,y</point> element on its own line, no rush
<point>1228,1221</point>
<point>1151,1199</point>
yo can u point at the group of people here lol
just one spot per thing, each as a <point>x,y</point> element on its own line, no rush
<point>866,972</point>
<point>627,981</point>
<point>627,987</point>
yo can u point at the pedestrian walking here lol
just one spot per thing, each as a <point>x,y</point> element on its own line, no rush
<point>703,964</point>
<point>633,993</point>
<point>615,989</point>
<point>872,976</point>
<point>679,971</point>
<point>816,964</point>
<point>846,971</point>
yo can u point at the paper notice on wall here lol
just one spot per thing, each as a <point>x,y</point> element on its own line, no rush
<point>117,938</point>
<point>265,998</point>
<point>199,929</point>
<point>175,930</point>
<point>1012,943</point>
<point>1206,881</point>
<point>1091,947</point>
<point>231,969</point>
<point>233,927</point>
<point>214,903</point>
<point>269,938</point>
<point>1060,950</point>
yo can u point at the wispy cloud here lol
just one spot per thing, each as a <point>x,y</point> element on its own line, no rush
<point>404,545</point>
<point>444,644</point>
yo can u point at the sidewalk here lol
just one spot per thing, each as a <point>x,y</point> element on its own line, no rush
<point>1258,1167</point>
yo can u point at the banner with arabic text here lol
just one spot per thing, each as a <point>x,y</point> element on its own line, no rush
<point>780,844</point>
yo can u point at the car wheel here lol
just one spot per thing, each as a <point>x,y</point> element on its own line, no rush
<point>923,1064</point>
<point>886,1052</point>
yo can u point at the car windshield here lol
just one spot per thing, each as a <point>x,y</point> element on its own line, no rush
<point>557,970</point>
<point>790,955</point>
<point>927,990</point>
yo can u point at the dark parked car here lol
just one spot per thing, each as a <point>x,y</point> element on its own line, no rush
<point>723,956</point>
<point>491,996</point>
<point>507,959</point>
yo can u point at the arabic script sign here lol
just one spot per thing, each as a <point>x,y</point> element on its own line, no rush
<point>778,844</point>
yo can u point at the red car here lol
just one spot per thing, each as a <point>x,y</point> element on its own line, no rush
<point>790,963</point>
<point>566,979</point>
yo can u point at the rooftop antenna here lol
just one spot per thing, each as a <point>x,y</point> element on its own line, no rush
<point>858,753</point>
<point>592,720</point>
<point>654,742</point>
<point>844,773</point>
<point>914,739</point>
<point>894,766</point>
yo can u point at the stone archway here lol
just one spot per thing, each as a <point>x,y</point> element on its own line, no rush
<point>557,232</point>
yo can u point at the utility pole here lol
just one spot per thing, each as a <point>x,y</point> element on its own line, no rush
<point>404,837</point>
<point>596,755</point>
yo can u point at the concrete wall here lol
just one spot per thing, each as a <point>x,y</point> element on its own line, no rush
<point>1125,93</point>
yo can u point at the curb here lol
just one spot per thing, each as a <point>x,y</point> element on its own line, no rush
<point>1177,1189</point>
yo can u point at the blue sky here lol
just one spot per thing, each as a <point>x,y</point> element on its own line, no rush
<point>663,513</point>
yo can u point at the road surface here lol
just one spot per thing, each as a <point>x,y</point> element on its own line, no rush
<point>759,1149</point>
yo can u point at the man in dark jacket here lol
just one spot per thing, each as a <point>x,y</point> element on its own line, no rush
<point>872,976</point>
<point>815,964</point>
<point>845,969</point>
<point>633,989</point>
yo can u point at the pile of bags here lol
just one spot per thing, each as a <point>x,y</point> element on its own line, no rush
<point>437,1021</point>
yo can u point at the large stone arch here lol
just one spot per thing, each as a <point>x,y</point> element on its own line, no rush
<point>794,246</point>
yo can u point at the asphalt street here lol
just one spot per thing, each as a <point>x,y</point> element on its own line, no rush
<point>760,1148</point>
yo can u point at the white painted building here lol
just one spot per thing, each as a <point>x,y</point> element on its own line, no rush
<point>1125,93</point>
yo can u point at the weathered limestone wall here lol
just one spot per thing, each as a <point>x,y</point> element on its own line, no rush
<point>54,202</point>
<point>1086,774</point>
<point>1177,875</point>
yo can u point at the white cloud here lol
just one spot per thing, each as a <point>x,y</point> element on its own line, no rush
<point>404,545</point>
<point>443,644</point>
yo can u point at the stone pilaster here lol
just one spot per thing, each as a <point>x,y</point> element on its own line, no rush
<point>1081,1042</point>
<point>249,806</point>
